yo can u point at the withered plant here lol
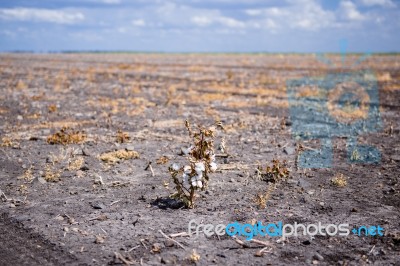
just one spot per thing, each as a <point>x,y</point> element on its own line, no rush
<point>339,180</point>
<point>200,163</point>
<point>262,198</point>
<point>275,173</point>
<point>122,137</point>
<point>66,136</point>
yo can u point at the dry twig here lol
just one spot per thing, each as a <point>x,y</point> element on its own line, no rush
<point>173,240</point>
<point>240,242</point>
<point>149,167</point>
<point>266,244</point>
<point>124,260</point>
<point>179,234</point>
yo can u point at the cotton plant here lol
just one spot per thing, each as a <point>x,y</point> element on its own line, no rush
<point>194,175</point>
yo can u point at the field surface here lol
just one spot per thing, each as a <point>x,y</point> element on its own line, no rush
<point>68,198</point>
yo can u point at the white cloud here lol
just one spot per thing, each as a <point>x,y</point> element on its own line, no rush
<point>87,36</point>
<point>230,22</point>
<point>350,12</point>
<point>139,23</point>
<point>203,21</point>
<point>310,15</point>
<point>271,11</point>
<point>38,14</point>
<point>270,24</point>
<point>173,25</point>
<point>306,14</point>
<point>8,33</point>
<point>121,29</point>
<point>206,20</point>
<point>111,1</point>
<point>384,3</point>
<point>254,12</point>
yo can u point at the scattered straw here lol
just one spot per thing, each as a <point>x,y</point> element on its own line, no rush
<point>66,136</point>
<point>339,180</point>
<point>162,160</point>
<point>50,175</point>
<point>76,164</point>
<point>194,257</point>
<point>114,157</point>
<point>122,137</point>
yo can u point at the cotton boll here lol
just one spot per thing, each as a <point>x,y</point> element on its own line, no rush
<point>199,184</point>
<point>175,167</point>
<point>213,167</point>
<point>187,169</point>
<point>187,151</point>
<point>185,178</point>
<point>212,157</point>
<point>194,183</point>
<point>199,167</point>
<point>198,177</point>
<point>199,172</point>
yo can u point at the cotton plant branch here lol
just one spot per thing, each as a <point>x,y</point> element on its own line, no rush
<point>200,163</point>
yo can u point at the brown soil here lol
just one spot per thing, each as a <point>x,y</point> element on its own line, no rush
<point>55,211</point>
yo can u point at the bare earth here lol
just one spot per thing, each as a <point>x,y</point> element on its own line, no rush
<point>63,205</point>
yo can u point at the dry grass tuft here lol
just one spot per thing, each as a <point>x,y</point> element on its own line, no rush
<point>27,176</point>
<point>162,160</point>
<point>122,137</point>
<point>66,136</point>
<point>209,97</point>
<point>51,175</point>
<point>76,164</point>
<point>6,142</point>
<point>52,108</point>
<point>261,199</point>
<point>21,85</point>
<point>64,155</point>
<point>194,256</point>
<point>384,77</point>
<point>275,173</point>
<point>114,157</point>
<point>339,180</point>
<point>355,155</point>
<point>23,189</point>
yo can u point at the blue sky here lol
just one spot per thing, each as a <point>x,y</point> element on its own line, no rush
<point>200,25</point>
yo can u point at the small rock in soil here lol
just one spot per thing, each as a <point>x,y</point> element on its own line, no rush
<point>289,150</point>
<point>165,261</point>
<point>169,243</point>
<point>304,184</point>
<point>318,256</point>
<point>84,168</point>
<point>98,205</point>
<point>99,240</point>
<point>22,218</point>
<point>130,148</point>
<point>42,180</point>
<point>156,248</point>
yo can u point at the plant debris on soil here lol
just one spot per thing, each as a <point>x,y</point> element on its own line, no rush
<point>114,157</point>
<point>87,141</point>
<point>66,136</point>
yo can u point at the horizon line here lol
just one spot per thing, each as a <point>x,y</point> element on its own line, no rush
<point>184,52</point>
